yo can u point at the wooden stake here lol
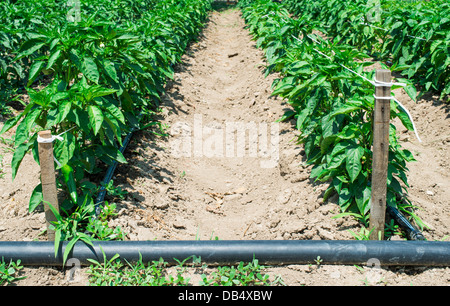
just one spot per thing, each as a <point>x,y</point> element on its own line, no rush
<point>48,180</point>
<point>380,156</point>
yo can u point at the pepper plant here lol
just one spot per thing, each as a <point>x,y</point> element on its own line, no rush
<point>90,79</point>
<point>333,107</point>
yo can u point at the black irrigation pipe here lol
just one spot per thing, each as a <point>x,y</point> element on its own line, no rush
<point>340,252</point>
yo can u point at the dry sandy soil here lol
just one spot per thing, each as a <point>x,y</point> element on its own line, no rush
<point>195,184</point>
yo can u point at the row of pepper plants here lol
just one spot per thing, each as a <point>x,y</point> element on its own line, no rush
<point>413,37</point>
<point>19,20</point>
<point>333,107</point>
<point>94,69</point>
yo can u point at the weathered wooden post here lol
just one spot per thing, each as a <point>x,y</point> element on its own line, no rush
<point>48,179</point>
<point>380,154</point>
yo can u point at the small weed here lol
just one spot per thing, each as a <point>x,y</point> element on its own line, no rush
<point>364,234</point>
<point>115,191</point>
<point>360,269</point>
<point>113,272</point>
<point>392,229</point>
<point>8,272</point>
<point>82,224</point>
<point>9,143</point>
<point>243,275</point>
<point>2,173</point>
<point>318,260</point>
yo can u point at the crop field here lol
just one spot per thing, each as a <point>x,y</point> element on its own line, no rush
<point>202,120</point>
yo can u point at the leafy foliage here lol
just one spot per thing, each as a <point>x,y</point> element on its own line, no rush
<point>414,38</point>
<point>333,107</point>
<point>83,224</point>
<point>93,73</point>
<point>249,274</point>
<point>113,272</point>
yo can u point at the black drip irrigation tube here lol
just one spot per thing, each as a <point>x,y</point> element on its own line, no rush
<point>109,174</point>
<point>412,233</point>
<point>280,252</point>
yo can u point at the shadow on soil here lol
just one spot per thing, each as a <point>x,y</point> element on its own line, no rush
<point>223,5</point>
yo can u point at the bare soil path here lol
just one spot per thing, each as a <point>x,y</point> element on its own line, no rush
<point>228,169</point>
<point>207,181</point>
